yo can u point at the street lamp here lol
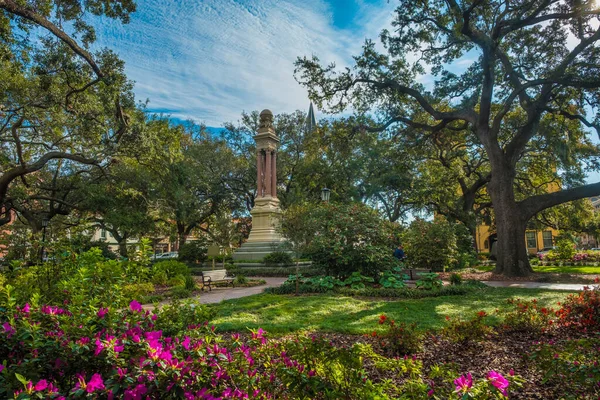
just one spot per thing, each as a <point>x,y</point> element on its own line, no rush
<point>44,225</point>
<point>325,193</point>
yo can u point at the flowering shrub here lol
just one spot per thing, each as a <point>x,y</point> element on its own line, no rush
<point>401,338</point>
<point>576,359</point>
<point>528,316</point>
<point>461,331</point>
<point>582,309</point>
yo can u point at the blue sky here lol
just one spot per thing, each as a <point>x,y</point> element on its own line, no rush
<point>210,60</point>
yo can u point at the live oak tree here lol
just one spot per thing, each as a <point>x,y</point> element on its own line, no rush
<point>537,57</point>
<point>58,100</point>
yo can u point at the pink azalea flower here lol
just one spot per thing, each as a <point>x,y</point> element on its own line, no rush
<point>1,367</point>
<point>464,383</point>
<point>96,383</point>
<point>102,312</point>
<point>99,347</point>
<point>9,329</point>
<point>186,343</point>
<point>27,308</point>
<point>498,381</point>
<point>41,385</point>
<point>135,306</point>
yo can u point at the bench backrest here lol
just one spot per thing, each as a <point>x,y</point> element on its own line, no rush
<point>216,275</point>
<point>417,273</point>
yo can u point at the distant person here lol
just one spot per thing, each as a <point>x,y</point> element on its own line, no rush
<point>399,253</point>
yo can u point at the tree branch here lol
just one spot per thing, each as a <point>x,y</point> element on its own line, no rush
<point>535,204</point>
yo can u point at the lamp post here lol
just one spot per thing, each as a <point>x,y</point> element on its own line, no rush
<point>44,226</point>
<point>325,193</point>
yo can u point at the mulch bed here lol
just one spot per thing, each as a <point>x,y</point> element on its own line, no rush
<point>536,277</point>
<point>500,353</point>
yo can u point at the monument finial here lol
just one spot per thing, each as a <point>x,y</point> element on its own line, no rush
<point>266,119</point>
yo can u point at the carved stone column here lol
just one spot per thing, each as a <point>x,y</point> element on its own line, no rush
<point>266,215</point>
<point>274,175</point>
<point>268,173</point>
<point>259,174</point>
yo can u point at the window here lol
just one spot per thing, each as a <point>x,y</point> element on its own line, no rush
<point>531,239</point>
<point>547,236</point>
<point>103,234</point>
<point>486,244</point>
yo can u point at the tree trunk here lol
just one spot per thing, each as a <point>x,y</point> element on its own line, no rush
<point>511,258</point>
<point>123,248</point>
<point>181,235</point>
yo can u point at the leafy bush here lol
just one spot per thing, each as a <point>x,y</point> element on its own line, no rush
<point>527,316</point>
<point>429,281</point>
<point>462,331</point>
<point>400,339</point>
<point>193,252</point>
<point>160,278</point>
<point>327,282</point>
<point>180,292</point>
<point>176,317</point>
<point>357,281</point>
<point>137,291</point>
<point>278,258</point>
<point>564,251</point>
<point>241,280</point>
<point>393,279</point>
<point>171,268</point>
<point>190,283</point>
<point>456,279</point>
<point>430,244</point>
<point>281,272</point>
<point>344,238</point>
<point>581,310</point>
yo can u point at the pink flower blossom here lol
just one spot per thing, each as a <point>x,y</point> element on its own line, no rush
<point>498,381</point>
<point>96,383</point>
<point>135,306</point>
<point>41,385</point>
<point>9,329</point>
<point>27,308</point>
<point>464,383</point>
<point>102,312</point>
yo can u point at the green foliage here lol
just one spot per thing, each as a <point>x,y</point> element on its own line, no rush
<point>278,258</point>
<point>458,330</point>
<point>565,250</point>
<point>171,268</point>
<point>527,316</point>
<point>193,252</point>
<point>400,338</point>
<point>240,280</point>
<point>343,238</point>
<point>190,283</point>
<point>429,281</point>
<point>178,280</point>
<point>357,281</point>
<point>393,279</point>
<point>430,245</point>
<point>137,291</point>
<point>180,292</point>
<point>327,282</point>
<point>456,279</point>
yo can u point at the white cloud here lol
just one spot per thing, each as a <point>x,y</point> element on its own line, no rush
<point>210,60</point>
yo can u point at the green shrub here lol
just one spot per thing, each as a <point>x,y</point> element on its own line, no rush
<point>400,339</point>
<point>357,281</point>
<point>160,278</point>
<point>393,279</point>
<point>344,238</point>
<point>526,316</point>
<point>278,258</point>
<point>178,280</point>
<point>190,283</point>
<point>429,281</point>
<point>137,291</point>
<point>462,331</point>
<point>180,292</point>
<point>240,280</point>
<point>565,250</point>
<point>175,318</point>
<point>430,244</point>
<point>193,252</point>
<point>171,268</point>
<point>456,279</point>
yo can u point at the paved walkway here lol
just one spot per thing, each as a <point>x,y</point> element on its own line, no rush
<point>538,285</point>
<point>226,293</point>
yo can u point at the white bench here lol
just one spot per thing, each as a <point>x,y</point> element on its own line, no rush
<point>215,276</point>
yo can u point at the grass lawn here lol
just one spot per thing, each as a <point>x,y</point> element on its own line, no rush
<point>572,269</point>
<point>329,313</point>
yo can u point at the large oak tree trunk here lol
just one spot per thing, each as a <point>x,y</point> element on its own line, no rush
<point>511,257</point>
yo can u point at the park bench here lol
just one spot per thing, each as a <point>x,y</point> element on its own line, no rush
<point>215,276</point>
<point>416,273</point>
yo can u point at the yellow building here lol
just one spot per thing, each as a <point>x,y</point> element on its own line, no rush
<point>536,240</point>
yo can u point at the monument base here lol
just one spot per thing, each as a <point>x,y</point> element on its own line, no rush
<point>264,237</point>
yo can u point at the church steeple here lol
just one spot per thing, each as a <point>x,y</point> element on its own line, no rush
<point>311,121</point>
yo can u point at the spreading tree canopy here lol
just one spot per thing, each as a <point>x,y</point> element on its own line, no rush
<point>537,58</point>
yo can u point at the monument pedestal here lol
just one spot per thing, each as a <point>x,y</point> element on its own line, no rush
<point>264,237</point>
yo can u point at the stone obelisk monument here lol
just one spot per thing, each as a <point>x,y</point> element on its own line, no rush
<point>264,237</point>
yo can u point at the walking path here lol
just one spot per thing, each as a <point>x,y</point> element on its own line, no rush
<point>538,285</point>
<point>219,294</point>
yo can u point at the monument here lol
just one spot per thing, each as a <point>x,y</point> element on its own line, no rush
<point>264,237</point>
